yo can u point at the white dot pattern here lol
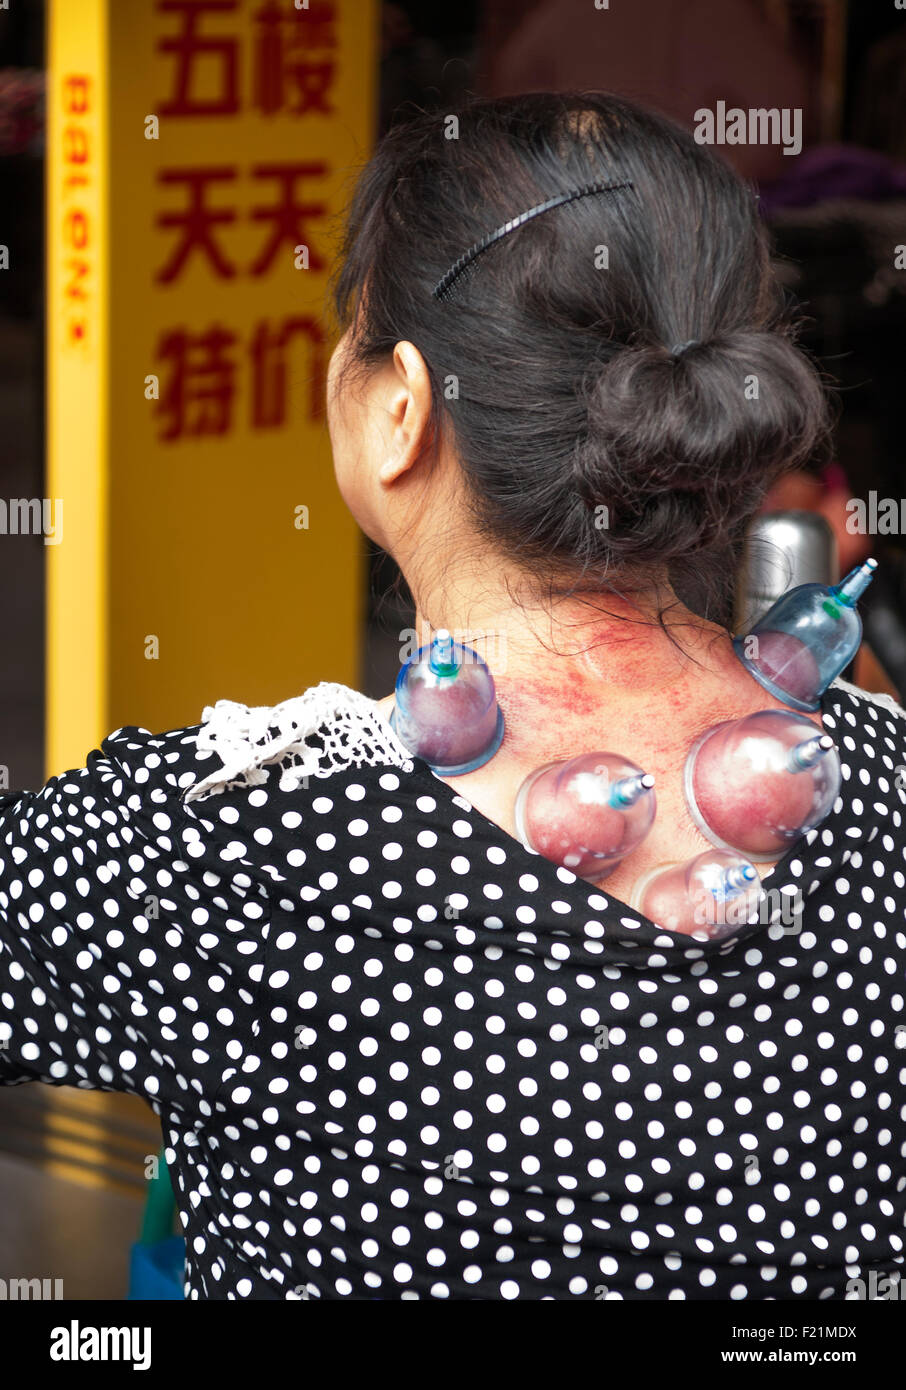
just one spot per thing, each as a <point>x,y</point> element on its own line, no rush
<point>395,1055</point>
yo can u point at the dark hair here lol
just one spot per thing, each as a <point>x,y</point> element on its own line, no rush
<point>568,396</point>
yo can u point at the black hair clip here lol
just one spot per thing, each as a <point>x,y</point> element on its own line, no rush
<point>679,348</point>
<point>442,288</point>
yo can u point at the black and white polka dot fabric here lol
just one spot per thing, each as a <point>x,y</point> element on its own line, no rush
<point>395,1055</point>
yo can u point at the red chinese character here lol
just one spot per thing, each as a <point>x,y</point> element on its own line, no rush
<point>287,215</point>
<point>285,40</point>
<point>189,46</point>
<point>208,384</point>
<point>268,354</point>
<point>196,221</point>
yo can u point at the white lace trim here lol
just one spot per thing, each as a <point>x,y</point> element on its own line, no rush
<point>245,738</point>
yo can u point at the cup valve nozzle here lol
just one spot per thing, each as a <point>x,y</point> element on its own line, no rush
<point>856,582</point>
<point>805,754</point>
<point>442,658</point>
<point>627,790</point>
<point>738,877</point>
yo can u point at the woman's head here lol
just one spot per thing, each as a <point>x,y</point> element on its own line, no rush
<point>548,423</point>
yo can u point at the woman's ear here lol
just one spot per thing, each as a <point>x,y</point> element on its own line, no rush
<point>408,404</point>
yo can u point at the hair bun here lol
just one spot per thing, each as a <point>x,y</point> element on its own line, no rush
<point>718,420</point>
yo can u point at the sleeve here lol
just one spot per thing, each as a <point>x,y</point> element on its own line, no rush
<point>128,946</point>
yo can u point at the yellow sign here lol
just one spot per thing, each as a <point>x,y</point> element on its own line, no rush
<point>200,154</point>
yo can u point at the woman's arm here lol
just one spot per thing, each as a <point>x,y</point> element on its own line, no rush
<point>119,969</point>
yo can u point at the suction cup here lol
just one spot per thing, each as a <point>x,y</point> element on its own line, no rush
<point>806,639</point>
<point>446,708</point>
<point>756,784</point>
<point>586,813</point>
<point>706,897</point>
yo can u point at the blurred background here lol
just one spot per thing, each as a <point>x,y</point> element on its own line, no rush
<point>130,616</point>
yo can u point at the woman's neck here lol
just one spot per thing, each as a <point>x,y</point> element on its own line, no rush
<point>583,643</point>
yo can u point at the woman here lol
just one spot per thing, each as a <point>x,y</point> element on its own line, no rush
<point>395,1053</point>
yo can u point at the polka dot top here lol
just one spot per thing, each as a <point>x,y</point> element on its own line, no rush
<point>396,1055</point>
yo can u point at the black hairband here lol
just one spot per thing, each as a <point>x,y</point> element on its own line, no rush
<point>441,289</point>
